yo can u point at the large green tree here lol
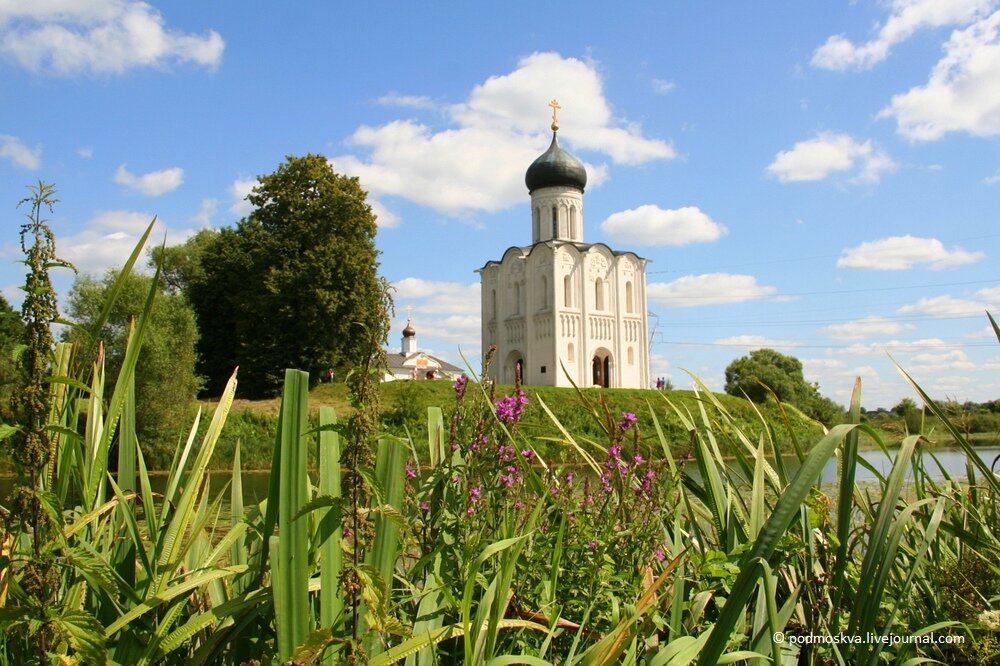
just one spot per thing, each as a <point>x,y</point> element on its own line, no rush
<point>11,335</point>
<point>165,378</point>
<point>295,284</point>
<point>181,265</point>
<point>764,369</point>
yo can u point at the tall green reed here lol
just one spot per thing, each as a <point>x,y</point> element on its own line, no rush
<point>492,554</point>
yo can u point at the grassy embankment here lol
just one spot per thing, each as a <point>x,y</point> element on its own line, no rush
<point>403,406</point>
<point>404,409</point>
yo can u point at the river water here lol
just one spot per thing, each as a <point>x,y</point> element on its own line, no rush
<point>954,461</point>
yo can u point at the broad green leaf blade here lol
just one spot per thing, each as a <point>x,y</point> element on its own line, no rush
<point>291,578</point>
<point>785,511</point>
<point>331,556</point>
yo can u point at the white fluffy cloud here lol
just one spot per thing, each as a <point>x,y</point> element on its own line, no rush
<point>450,171</point>
<point>898,253</point>
<point>443,311</point>
<point>131,222</point>
<point>98,36</point>
<point>109,238</point>
<point>755,342</point>
<point>831,153</point>
<point>662,86</point>
<point>19,154</point>
<point>952,360</point>
<point>408,101</point>
<point>238,191</point>
<point>867,327</point>
<point>707,289</point>
<point>907,17</point>
<point>152,184</point>
<point>385,218</point>
<point>206,211</point>
<point>963,91</point>
<point>441,297</point>
<point>478,161</point>
<point>894,347</point>
<point>652,225</point>
<point>816,364</point>
<point>950,306</point>
<point>457,330</point>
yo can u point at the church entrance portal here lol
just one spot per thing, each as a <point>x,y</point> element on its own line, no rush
<point>602,369</point>
<point>513,368</point>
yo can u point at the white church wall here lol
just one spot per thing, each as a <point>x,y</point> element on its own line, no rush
<point>568,330</point>
<point>540,359</point>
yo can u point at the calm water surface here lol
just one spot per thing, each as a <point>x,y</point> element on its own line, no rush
<point>953,461</point>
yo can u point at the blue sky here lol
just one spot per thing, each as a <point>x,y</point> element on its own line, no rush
<point>822,178</point>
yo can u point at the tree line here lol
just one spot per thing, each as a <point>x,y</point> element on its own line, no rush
<point>294,284</point>
<point>766,372</point>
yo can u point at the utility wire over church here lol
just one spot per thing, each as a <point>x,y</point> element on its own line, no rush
<point>560,301</point>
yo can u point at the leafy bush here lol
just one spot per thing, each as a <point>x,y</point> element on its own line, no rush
<point>165,379</point>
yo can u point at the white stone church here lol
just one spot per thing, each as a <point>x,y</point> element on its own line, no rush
<point>561,302</point>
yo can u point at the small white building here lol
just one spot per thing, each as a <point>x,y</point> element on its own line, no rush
<point>561,302</point>
<point>411,363</point>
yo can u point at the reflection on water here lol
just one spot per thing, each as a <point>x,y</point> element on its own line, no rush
<point>952,461</point>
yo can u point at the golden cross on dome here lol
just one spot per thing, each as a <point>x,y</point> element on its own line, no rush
<point>555,114</point>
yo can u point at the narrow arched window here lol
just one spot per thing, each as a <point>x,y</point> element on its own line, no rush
<point>517,298</point>
<point>567,291</point>
<point>493,298</point>
<point>599,294</point>
<point>555,222</point>
<point>536,224</point>
<point>628,297</point>
<point>543,294</point>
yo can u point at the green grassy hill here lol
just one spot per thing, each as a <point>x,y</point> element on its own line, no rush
<point>404,408</point>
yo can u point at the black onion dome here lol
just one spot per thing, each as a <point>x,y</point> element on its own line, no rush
<point>556,168</point>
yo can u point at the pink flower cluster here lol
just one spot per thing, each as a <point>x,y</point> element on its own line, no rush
<point>627,421</point>
<point>510,408</point>
<point>474,496</point>
<point>459,386</point>
<point>482,440</point>
<point>511,474</point>
<point>615,462</point>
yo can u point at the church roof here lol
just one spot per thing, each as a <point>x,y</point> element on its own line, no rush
<point>420,360</point>
<point>555,168</point>
<point>583,248</point>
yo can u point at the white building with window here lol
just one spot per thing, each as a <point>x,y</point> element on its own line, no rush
<point>411,363</point>
<point>563,303</point>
